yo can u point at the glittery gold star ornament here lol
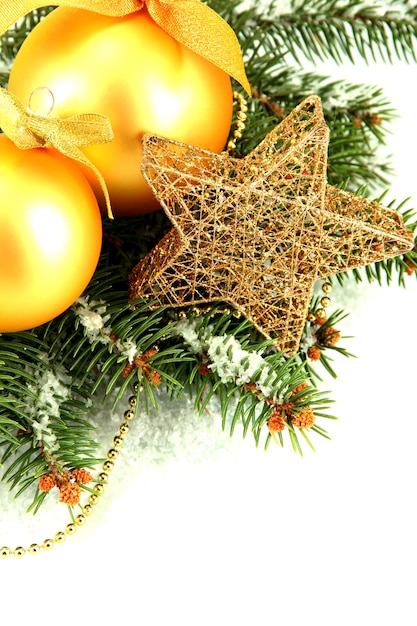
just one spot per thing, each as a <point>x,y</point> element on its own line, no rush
<point>257,232</point>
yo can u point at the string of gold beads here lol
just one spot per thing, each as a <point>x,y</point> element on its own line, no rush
<point>325,301</point>
<point>93,499</point>
<point>198,311</point>
<point>241,118</point>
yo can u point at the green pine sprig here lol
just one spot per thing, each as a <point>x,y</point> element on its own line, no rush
<point>317,30</point>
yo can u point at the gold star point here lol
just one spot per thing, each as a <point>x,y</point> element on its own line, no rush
<point>257,232</point>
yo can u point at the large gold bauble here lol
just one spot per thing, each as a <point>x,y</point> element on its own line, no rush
<point>50,235</point>
<point>133,72</point>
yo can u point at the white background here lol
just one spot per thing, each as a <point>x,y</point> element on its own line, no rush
<point>199,529</point>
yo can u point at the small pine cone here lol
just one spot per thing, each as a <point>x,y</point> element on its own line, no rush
<point>153,377</point>
<point>276,422</point>
<point>127,370</point>
<point>81,476</point>
<point>319,321</point>
<point>299,388</point>
<point>253,388</point>
<point>329,336</point>
<point>375,119</point>
<point>47,482</point>
<point>314,353</point>
<point>149,353</point>
<point>70,493</point>
<point>204,369</point>
<point>411,268</point>
<point>303,419</point>
<point>142,360</point>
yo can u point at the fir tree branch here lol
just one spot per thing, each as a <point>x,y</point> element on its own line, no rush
<point>251,380</point>
<point>329,29</point>
<point>358,118</point>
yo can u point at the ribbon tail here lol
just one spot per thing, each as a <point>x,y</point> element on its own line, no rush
<point>198,27</point>
<point>73,152</point>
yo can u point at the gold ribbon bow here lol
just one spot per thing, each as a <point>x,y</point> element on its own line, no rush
<point>190,22</point>
<point>32,130</point>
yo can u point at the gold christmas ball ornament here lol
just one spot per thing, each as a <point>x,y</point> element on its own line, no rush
<point>130,70</point>
<point>50,235</point>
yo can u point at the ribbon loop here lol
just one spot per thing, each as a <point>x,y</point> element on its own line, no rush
<point>190,22</point>
<point>30,130</point>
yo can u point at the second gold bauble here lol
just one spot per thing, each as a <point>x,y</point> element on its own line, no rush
<point>133,72</point>
<point>50,235</point>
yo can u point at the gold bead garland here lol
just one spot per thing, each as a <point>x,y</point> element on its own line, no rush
<point>240,122</point>
<point>325,301</point>
<point>93,499</point>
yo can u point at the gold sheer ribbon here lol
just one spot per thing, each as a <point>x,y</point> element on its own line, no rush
<point>31,130</point>
<point>190,22</point>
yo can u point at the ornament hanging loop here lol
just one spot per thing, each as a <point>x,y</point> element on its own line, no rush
<point>47,95</point>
